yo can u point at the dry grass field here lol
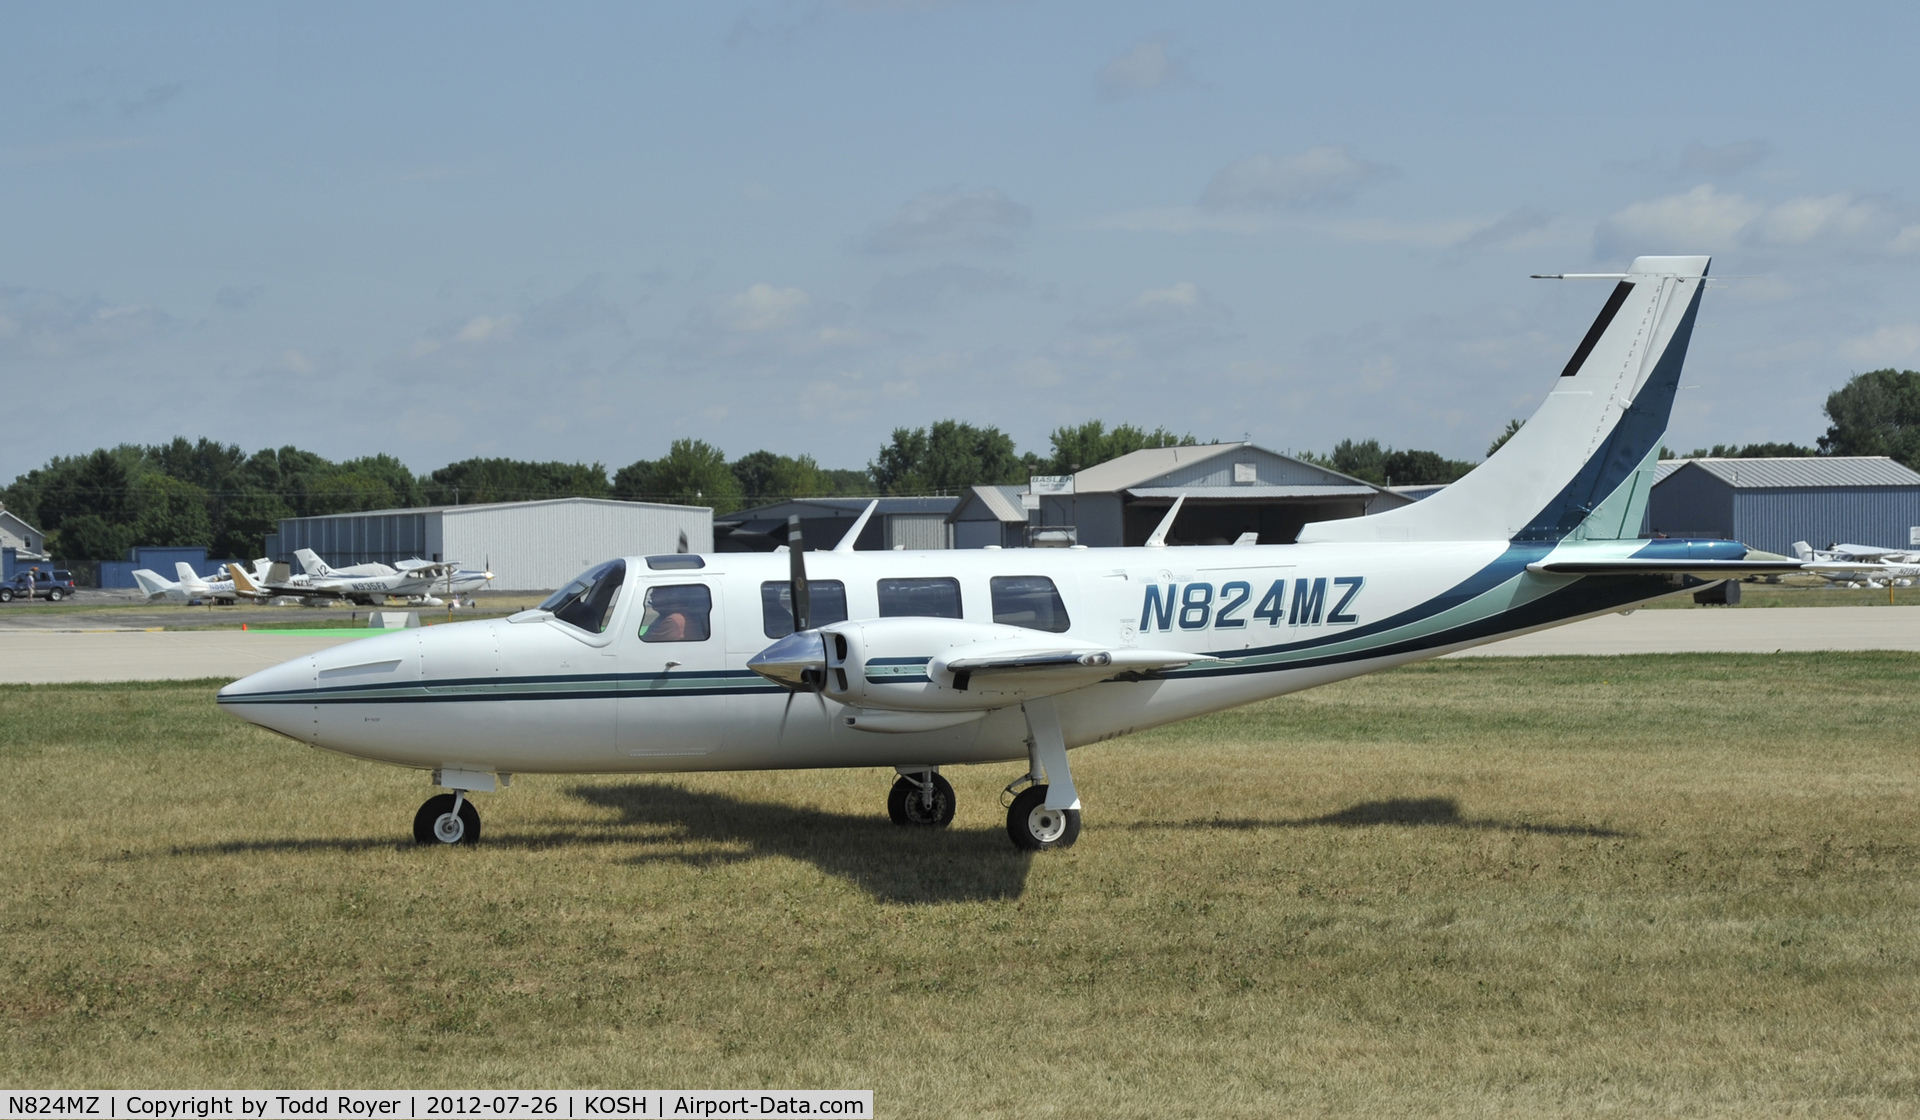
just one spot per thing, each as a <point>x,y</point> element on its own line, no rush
<point>1581,886</point>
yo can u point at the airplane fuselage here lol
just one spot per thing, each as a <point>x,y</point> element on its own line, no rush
<point>535,694</point>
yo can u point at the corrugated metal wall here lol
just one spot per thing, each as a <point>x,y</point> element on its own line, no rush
<point>1774,519</point>
<point>538,546</point>
<point>345,539</point>
<point>918,530</point>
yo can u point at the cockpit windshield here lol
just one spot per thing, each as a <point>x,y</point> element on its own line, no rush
<point>587,602</point>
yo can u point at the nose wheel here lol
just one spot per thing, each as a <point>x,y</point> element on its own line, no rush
<point>447,818</point>
<point>1034,827</point>
<point>924,800</point>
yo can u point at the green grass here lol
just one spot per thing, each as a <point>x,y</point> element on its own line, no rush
<point>1622,886</point>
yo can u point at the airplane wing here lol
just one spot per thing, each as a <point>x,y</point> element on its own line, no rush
<point>1063,667</point>
<point>1630,566</point>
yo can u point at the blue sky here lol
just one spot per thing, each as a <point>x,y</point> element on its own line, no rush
<point>581,232</point>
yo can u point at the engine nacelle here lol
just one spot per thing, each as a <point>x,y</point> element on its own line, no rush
<point>901,664</point>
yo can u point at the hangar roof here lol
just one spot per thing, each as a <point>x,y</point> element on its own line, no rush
<point>1244,491</point>
<point>1819,472</point>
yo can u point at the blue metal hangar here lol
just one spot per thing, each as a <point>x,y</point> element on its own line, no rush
<point>1771,503</point>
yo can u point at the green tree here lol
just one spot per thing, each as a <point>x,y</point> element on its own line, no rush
<point>1419,468</point>
<point>169,512</point>
<point>1749,451</point>
<point>1500,440</point>
<point>1876,413</point>
<point>1079,447</point>
<point>1361,459</point>
<point>97,484</point>
<point>89,537</point>
<point>511,480</point>
<point>766,477</point>
<point>946,457</point>
<point>693,472</point>
<point>349,492</point>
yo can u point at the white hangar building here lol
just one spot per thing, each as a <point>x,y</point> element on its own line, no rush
<point>531,546</point>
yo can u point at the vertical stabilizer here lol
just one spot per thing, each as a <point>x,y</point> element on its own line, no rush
<point>311,563</point>
<point>1582,465</point>
<point>190,581</point>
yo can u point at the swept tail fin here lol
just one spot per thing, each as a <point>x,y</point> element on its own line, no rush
<point>190,580</point>
<point>153,583</point>
<point>311,563</point>
<point>1582,466</point>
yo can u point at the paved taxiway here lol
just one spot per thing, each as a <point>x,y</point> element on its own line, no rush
<point>47,656</point>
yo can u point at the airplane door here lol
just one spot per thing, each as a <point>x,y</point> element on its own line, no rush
<point>673,682</point>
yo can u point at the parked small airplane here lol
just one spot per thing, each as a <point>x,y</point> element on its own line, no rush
<point>190,587</point>
<point>361,584</point>
<point>456,582</point>
<point>919,660</point>
<point>1857,565</point>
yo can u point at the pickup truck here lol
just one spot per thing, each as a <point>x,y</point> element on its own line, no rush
<point>52,586</point>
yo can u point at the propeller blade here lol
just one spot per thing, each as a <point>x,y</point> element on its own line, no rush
<point>797,579</point>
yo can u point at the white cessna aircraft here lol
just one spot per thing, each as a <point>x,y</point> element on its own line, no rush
<point>919,660</point>
<point>1852,565</point>
<point>364,583</point>
<point>190,587</point>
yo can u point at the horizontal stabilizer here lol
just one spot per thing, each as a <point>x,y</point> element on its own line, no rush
<point>1629,566</point>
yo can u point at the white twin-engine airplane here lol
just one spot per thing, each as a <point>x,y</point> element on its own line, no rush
<point>919,660</point>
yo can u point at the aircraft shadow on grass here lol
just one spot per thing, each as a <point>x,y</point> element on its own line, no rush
<point>890,863</point>
<point>1440,812</point>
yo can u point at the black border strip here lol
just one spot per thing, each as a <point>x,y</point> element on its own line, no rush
<point>1620,292</point>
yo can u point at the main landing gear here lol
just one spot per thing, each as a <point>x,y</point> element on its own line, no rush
<point>921,798</point>
<point>1044,811</point>
<point>1045,814</point>
<point>449,818</point>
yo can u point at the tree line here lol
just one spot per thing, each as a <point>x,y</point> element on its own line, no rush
<point>96,506</point>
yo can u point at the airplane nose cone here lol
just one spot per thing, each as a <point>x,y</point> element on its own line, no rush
<point>793,660</point>
<point>278,699</point>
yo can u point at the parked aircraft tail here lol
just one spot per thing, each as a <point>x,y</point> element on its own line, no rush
<point>151,582</point>
<point>1582,466</point>
<point>190,581</point>
<point>244,584</point>
<point>1803,550</point>
<point>311,563</point>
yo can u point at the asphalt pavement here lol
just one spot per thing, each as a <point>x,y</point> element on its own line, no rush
<point>50,654</point>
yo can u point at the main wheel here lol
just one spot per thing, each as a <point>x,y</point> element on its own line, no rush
<point>1036,828</point>
<point>908,804</point>
<point>437,823</point>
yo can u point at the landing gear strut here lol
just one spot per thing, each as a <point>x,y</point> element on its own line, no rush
<point>447,818</point>
<point>922,798</point>
<point>1044,816</point>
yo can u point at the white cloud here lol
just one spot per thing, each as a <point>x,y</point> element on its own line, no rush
<point>1885,346</point>
<point>1707,219</point>
<point>49,325</point>
<point>1700,220</point>
<point>485,328</point>
<point>1318,176</point>
<point>1144,67</point>
<point>952,219</point>
<point>763,308</point>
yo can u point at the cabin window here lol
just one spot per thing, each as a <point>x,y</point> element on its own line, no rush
<point>587,602</point>
<point>1029,601</point>
<point>677,613</point>
<point>827,598</point>
<point>932,597</point>
<point>675,562</point>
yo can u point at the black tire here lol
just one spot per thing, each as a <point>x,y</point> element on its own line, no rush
<point>1035,828</point>
<point>6,594</point>
<point>427,820</point>
<point>908,806</point>
<point>55,595</point>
